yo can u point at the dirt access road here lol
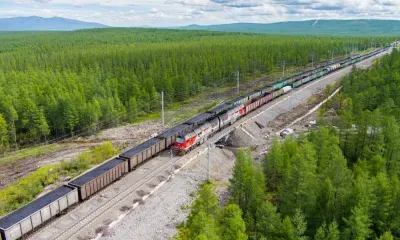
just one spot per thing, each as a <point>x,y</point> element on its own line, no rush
<point>123,136</point>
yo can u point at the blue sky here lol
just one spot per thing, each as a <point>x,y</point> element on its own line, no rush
<point>161,13</point>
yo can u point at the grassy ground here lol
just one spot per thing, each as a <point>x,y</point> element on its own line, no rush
<point>30,152</point>
<point>176,112</point>
<point>29,187</point>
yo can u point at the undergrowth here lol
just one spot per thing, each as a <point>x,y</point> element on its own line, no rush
<point>29,187</point>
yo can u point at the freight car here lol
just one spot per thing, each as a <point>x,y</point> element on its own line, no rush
<point>143,152</point>
<point>29,217</point>
<point>100,177</point>
<point>197,129</point>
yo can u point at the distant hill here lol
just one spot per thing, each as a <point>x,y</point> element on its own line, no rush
<point>312,27</point>
<point>44,24</point>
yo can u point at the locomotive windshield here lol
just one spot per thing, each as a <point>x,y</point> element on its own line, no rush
<point>180,140</point>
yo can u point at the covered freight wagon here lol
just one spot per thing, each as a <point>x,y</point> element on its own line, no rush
<point>100,177</point>
<point>143,151</point>
<point>32,215</point>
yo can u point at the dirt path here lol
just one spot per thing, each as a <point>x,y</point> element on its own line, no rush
<point>123,136</point>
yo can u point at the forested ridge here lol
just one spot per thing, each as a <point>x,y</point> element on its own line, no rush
<point>57,84</point>
<point>338,182</point>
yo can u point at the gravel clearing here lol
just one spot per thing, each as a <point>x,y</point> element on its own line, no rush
<point>159,215</point>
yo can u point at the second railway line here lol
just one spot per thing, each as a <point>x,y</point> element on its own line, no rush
<point>139,183</point>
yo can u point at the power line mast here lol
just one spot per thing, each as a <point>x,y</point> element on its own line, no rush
<point>283,68</point>
<point>238,81</point>
<point>162,108</point>
<point>209,162</point>
<point>172,156</point>
<point>312,63</point>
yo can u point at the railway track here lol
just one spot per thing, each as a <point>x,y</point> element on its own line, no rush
<point>121,196</point>
<point>74,231</point>
<point>164,166</point>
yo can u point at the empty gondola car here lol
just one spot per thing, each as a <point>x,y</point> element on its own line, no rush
<point>32,215</point>
<point>143,151</point>
<point>100,177</point>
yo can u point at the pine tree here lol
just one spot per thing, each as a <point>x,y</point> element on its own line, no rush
<point>321,233</point>
<point>181,88</point>
<point>241,179</point>
<point>394,214</point>
<point>330,232</point>
<point>300,225</point>
<point>132,109</point>
<point>3,134</point>
<point>298,190</point>
<point>268,220</point>
<point>357,225</point>
<point>383,203</point>
<point>231,223</point>
<point>203,226</point>
<point>386,236</point>
<point>286,231</point>
<point>206,202</point>
<point>333,232</point>
<point>273,166</point>
<point>41,125</point>
<point>377,165</point>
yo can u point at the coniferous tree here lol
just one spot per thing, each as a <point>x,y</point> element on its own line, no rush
<point>357,224</point>
<point>268,221</point>
<point>3,134</point>
<point>298,190</point>
<point>273,166</point>
<point>232,224</point>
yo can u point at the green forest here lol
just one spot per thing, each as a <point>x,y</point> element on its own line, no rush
<point>58,84</point>
<point>338,182</point>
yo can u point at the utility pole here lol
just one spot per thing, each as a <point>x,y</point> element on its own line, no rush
<point>238,80</point>
<point>162,108</point>
<point>332,53</point>
<point>172,155</point>
<point>283,68</point>
<point>209,162</point>
<point>312,57</point>
<point>346,52</point>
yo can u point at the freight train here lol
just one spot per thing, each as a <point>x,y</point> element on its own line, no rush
<point>183,138</point>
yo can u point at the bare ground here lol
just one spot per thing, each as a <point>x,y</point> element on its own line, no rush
<point>121,137</point>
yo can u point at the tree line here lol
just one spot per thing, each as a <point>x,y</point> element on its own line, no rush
<point>57,84</point>
<point>339,182</point>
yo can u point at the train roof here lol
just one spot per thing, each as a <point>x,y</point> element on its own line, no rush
<point>173,130</point>
<point>219,108</point>
<point>34,206</point>
<point>140,148</point>
<point>251,93</point>
<point>95,172</point>
<point>199,118</point>
<point>266,87</point>
<point>235,100</point>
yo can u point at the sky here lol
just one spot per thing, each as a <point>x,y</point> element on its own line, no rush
<point>167,13</point>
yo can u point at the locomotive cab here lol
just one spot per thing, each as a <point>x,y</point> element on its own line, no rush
<point>179,144</point>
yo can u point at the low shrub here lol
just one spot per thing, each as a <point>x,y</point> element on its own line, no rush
<point>29,187</point>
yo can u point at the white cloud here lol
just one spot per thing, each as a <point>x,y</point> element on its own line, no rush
<point>184,12</point>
